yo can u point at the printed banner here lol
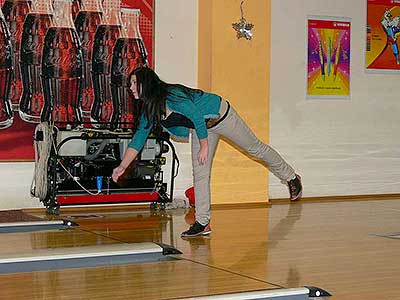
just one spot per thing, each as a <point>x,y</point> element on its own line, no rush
<point>16,139</point>
<point>383,31</point>
<point>328,63</point>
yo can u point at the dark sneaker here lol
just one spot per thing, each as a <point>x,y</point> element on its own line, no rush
<point>295,188</point>
<point>197,229</point>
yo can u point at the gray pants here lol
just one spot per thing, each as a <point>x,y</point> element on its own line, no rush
<point>237,131</point>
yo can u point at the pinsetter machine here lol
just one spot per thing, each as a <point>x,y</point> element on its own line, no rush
<point>80,163</point>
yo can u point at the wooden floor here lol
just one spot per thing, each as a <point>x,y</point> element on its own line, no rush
<point>336,246</point>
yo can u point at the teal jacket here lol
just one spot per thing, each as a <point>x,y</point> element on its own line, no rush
<point>202,106</point>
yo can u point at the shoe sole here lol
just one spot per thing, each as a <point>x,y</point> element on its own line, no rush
<point>298,197</point>
<point>203,233</point>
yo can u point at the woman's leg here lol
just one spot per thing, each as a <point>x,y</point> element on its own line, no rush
<point>236,130</point>
<point>201,177</point>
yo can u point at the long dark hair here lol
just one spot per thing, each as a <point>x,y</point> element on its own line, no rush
<point>153,92</point>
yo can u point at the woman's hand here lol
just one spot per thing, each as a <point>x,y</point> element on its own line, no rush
<point>117,172</point>
<point>129,156</point>
<point>202,156</point>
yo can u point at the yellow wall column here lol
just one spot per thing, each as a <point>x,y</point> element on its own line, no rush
<point>238,70</point>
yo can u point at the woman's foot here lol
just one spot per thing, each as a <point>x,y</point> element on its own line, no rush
<point>197,229</point>
<point>295,188</point>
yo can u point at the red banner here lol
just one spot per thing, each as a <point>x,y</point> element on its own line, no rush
<point>16,141</point>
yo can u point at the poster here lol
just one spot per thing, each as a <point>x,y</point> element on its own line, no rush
<point>16,141</point>
<point>383,32</point>
<point>145,23</point>
<point>328,58</point>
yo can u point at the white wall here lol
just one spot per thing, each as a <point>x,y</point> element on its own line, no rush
<point>176,56</point>
<point>15,185</point>
<point>340,147</point>
<point>175,61</point>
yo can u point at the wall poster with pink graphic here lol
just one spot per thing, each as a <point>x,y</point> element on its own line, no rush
<point>383,32</point>
<point>328,57</point>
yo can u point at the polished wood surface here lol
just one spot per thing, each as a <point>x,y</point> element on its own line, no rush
<point>163,280</point>
<point>22,242</point>
<point>336,246</point>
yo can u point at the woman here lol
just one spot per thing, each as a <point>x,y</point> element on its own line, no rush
<point>178,109</point>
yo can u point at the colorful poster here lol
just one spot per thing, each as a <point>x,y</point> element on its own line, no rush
<point>328,60</point>
<point>383,31</point>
